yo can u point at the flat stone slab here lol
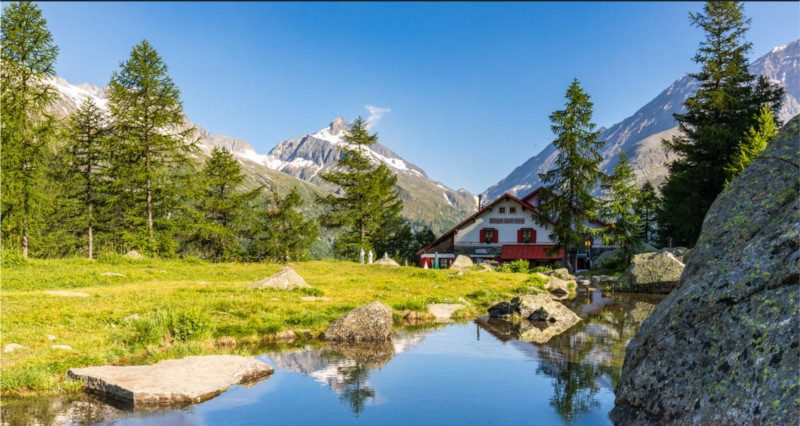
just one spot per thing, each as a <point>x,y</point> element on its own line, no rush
<point>443,311</point>
<point>182,381</point>
<point>67,293</point>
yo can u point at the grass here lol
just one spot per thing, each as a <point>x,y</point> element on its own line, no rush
<point>189,307</point>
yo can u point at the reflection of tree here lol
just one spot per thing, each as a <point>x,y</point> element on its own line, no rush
<point>356,391</point>
<point>574,388</point>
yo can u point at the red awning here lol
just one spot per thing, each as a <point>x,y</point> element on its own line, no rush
<point>511,252</point>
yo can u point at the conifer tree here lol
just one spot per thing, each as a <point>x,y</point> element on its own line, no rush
<point>151,143</point>
<point>568,186</point>
<point>646,207</point>
<point>754,141</point>
<point>221,204</point>
<point>28,62</point>
<point>716,119</point>
<point>87,131</point>
<point>369,210</point>
<point>618,207</point>
<point>283,232</point>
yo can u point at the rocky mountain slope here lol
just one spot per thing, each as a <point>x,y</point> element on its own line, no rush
<point>298,162</point>
<point>640,135</point>
<point>722,348</point>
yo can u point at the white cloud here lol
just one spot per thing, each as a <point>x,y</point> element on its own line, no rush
<point>375,115</point>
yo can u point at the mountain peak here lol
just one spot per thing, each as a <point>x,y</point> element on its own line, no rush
<point>338,125</point>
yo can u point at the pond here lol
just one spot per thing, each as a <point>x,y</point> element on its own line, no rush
<point>473,373</point>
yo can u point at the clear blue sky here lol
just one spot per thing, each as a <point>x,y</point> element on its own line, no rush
<point>469,85</point>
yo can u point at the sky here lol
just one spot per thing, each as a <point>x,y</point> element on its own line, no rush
<point>463,90</point>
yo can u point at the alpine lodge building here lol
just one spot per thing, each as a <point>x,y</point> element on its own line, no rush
<point>504,231</point>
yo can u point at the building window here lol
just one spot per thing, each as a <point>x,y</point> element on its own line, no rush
<point>488,235</point>
<point>526,236</point>
<point>502,210</point>
<point>512,210</point>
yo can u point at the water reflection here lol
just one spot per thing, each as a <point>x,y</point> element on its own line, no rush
<point>449,374</point>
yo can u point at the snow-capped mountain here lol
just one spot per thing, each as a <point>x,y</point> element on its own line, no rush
<point>640,135</point>
<point>297,163</point>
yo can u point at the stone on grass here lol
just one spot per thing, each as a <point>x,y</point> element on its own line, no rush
<point>386,261</point>
<point>559,286</point>
<point>182,381</point>
<point>443,311</point>
<point>285,279</point>
<point>315,298</point>
<point>657,272</point>
<point>372,322</point>
<point>63,347</point>
<point>66,293</point>
<point>50,337</point>
<point>723,347</point>
<point>562,273</point>
<point>461,263</point>
<point>11,347</point>
<point>133,254</point>
<point>132,317</point>
<point>112,274</point>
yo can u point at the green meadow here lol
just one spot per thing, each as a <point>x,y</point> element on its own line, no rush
<point>142,311</point>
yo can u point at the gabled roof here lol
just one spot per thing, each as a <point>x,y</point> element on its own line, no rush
<point>478,213</point>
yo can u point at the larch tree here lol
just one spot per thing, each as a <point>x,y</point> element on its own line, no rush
<point>282,231</point>
<point>645,207</point>
<point>754,141</point>
<point>717,117</point>
<point>151,143</point>
<point>618,207</point>
<point>28,64</point>
<point>569,184</point>
<point>87,131</point>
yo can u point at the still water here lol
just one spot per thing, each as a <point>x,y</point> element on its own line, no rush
<point>475,373</point>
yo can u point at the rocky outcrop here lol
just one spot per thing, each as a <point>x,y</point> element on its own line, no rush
<point>285,279</point>
<point>723,348</point>
<point>171,382</point>
<point>462,263</point>
<point>372,322</point>
<point>538,307</point>
<point>650,273</point>
<point>562,273</point>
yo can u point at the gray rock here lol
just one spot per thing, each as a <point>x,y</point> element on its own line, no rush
<point>538,307</point>
<point>132,317</point>
<point>722,348</point>
<point>11,347</point>
<point>112,274</point>
<point>443,311</point>
<point>462,263</point>
<point>562,273</point>
<point>386,261</point>
<point>171,382</point>
<point>50,337</point>
<point>66,293</point>
<point>133,254</point>
<point>63,347</point>
<point>285,279</point>
<point>650,273</point>
<point>372,322</point>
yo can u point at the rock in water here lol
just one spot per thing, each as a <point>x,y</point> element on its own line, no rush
<point>171,382</point>
<point>461,263</point>
<point>372,322</point>
<point>285,279</point>
<point>537,307</point>
<point>722,348</point>
<point>651,273</point>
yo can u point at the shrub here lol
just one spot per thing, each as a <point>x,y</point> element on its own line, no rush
<point>11,258</point>
<point>519,265</point>
<point>309,291</point>
<point>33,378</point>
<point>168,324</point>
<point>542,269</point>
<point>110,258</point>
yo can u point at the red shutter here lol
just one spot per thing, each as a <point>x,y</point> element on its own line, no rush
<point>533,235</point>
<point>495,235</point>
<point>483,235</point>
<point>519,235</point>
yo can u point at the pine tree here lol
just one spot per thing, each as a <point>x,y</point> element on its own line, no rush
<point>87,131</point>
<point>369,210</point>
<point>569,185</point>
<point>151,145</point>
<point>754,141</point>
<point>28,61</point>
<point>618,207</point>
<point>717,116</point>
<point>283,232</point>
<point>646,206</point>
<point>221,204</point>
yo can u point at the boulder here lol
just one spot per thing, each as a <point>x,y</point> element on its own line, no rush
<point>722,348</point>
<point>562,273</point>
<point>386,261</point>
<point>650,273</point>
<point>559,286</point>
<point>538,307</point>
<point>171,382</point>
<point>133,254</point>
<point>372,322</point>
<point>11,347</point>
<point>443,311</point>
<point>679,252</point>
<point>285,279</point>
<point>461,263</point>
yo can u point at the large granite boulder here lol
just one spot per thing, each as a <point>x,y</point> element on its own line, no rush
<point>534,307</point>
<point>657,272</point>
<point>562,273</point>
<point>462,263</point>
<point>180,382</point>
<point>285,279</point>
<point>724,347</point>
<point>372,322</point>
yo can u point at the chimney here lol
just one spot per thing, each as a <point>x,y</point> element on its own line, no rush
<point>479,201</point>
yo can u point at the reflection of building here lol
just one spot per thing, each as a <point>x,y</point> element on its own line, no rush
<point>505,230</point>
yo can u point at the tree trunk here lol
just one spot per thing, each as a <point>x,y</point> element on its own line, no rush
<point>150,210</point>
<point>91,239</point>
<point>25,237</point>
